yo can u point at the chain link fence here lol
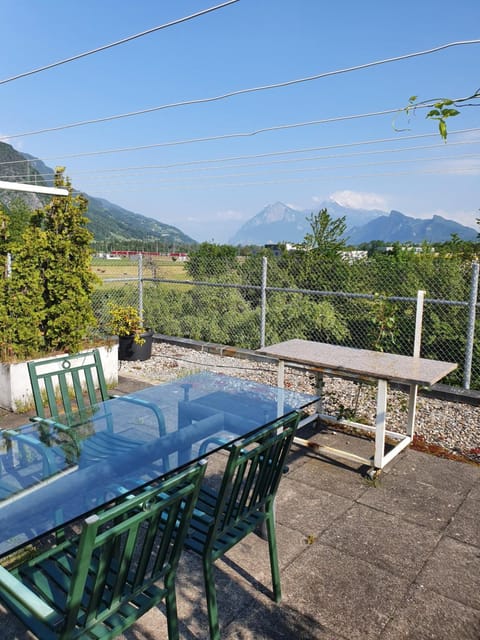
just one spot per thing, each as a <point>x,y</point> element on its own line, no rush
<point>250,301</point>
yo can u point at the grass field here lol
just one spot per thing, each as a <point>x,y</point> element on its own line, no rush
<point>163,268</point>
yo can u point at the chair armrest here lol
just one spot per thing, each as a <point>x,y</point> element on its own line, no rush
<point>49,463</point>
<point>50,422</point>
<point>213,440</point>
<point>149,405</point>
<point>17,591</point>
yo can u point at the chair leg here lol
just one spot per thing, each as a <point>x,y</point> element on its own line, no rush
<point>211,595</point>
<point>171,606</point>
<point>272,550</point>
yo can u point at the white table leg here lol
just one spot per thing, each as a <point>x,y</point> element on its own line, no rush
<point>281,374</point>
<point>319,385</point>
<point>412,410</point>
<point>380,420</point>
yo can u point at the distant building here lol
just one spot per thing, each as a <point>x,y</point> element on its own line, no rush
<point>276,249</point>
<point>181,257</point>
<point>354,255</point>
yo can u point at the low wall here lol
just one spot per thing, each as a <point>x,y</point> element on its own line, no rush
<point>15,391</point>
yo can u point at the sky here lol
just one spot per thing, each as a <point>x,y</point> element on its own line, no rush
<point>209,166</point>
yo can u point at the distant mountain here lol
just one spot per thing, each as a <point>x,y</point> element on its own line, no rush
<point>397,227</point>
<point>281,223</point>
<point>107,221</point>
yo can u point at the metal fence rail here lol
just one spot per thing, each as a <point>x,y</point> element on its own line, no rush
<point>254,301</point>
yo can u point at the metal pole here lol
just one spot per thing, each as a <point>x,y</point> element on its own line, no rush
<point>140,286</point>
<point>472,307</point>
<point>263,316</point>
<point>418,324</point>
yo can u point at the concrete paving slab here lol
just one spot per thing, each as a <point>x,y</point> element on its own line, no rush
<point>419,502</point>
<point>355,598</point>
<point>453,570</point>
<point>340,479</point>
<point>274,622</point>
<point>465,523</point>
<point>307,510</point>
<point>387,541</point>
<point>426,615</point>
<point>425,469</point>
<point>475,491</point>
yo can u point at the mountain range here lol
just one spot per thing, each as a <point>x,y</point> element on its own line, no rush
<point>107,221</point>
<point>280,223</point>
<point>275,223</point>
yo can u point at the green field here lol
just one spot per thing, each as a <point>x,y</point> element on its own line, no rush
<point>162,268</point>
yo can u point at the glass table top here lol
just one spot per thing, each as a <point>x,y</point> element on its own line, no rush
<point>51,474</point>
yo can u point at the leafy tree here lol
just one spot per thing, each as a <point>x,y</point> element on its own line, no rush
<point>68,280</point>
<point>327,235</point>
<point>22,308</point>
<point>209,261</point>
<point>19,214</point>
<point>46,296</point>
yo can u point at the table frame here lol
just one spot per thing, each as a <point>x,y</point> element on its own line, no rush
<point>314,363</point>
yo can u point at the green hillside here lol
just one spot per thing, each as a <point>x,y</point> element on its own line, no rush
<point>109,222</point>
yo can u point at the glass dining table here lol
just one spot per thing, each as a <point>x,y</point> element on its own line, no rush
<point>52,475</point>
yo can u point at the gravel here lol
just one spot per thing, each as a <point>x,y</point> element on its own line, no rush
<point>443,426</point>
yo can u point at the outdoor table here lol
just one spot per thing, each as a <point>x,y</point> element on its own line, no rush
<point>364,365</point>
<point>46,482</point>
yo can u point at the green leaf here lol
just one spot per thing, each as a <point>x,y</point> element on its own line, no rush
<point>442,126</point>
<point>433,113</point>
<point>447,113</point>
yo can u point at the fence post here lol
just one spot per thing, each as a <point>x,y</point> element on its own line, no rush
<point>472,307</point>
<point>140,286</point>
<point>418,324</point>
<point>263,316</point>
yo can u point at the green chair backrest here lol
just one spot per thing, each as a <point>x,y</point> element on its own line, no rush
<point>252,476</point>
<point>67,385</point>
<point>103,581</point>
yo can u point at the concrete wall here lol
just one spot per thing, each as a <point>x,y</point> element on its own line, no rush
<point>15,391</point>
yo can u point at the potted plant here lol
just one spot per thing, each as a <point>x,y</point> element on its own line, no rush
<point>134,340</point>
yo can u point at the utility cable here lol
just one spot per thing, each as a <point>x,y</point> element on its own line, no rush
<point>181,166</point>
<point>118,42</point>
<point>241,157</point>
<point>267,87</point>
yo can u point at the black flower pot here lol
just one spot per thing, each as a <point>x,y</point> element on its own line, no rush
<point>128,349</point>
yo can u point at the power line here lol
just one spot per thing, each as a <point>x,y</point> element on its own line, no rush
<point>224,136</point>
<point>238,92</point>
<point>241,157</point>
<point>118,42</point>
<point>328,167</point>
<point>183,165</point>
<point>215,181</point>
<point>205,186</point>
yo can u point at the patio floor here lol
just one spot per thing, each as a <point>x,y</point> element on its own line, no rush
<point>398,558</point>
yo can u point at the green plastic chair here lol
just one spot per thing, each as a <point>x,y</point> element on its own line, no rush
<point>65,389</point>
<point>123,563</point>
<point>244,502</point>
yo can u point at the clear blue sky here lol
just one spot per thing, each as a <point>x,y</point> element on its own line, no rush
<point>248,44</point>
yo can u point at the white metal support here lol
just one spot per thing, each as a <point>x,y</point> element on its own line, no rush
<point>281,374</point>
<point>412,410</point>
<point>418,324</point>
<point>32,188</point>
<point>319,385</point>
<point>380,420</point>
